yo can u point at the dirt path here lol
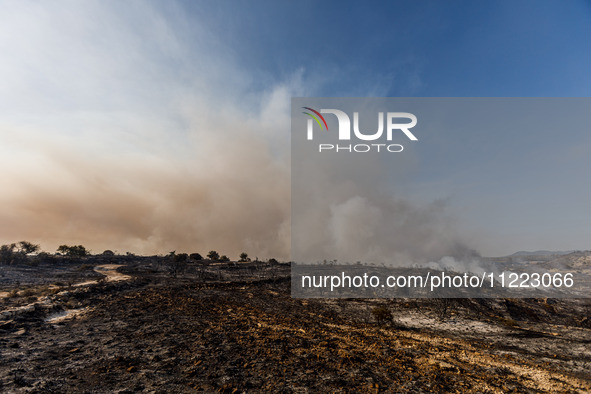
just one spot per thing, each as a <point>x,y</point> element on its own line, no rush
<point>110,272</point>
<point>111,275</point>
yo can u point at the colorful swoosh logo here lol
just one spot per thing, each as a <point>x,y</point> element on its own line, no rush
<point>315,118</point>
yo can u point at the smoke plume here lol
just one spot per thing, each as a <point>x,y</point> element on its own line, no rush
<point>128,126</point>
<point>130,130</point>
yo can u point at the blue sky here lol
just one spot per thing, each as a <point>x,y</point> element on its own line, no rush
<point>130,125</point>
<point>427,48</point>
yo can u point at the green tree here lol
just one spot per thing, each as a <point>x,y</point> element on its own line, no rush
<point>7,254</point>
<point>27,247</point>
<point>75,251</point>
<point>224,258</point>
<point>213,255</point>
<point>16,253</point>
<point>243,257</point>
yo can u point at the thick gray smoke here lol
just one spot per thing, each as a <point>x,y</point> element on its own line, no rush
<point>379,229</point>
<point>125,126</point>
<point>348,206</point>
<point>223,190</point>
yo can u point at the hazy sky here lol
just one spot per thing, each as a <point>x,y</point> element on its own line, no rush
<point>156,126</point>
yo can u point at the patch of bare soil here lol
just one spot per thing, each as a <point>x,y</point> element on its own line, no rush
<point>236,329</point>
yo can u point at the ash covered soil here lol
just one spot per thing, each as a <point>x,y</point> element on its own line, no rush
<point>233,328</point>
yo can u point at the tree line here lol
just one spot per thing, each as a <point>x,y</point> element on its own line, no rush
<point>15,253</point>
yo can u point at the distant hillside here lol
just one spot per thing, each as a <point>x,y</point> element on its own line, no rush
<point>575,260</point>
<point>542,253</point>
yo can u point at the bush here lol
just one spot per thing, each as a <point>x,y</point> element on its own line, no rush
<point>196,256</point>
<point>44,257</point>
<point>213,255</point>
<point>181,257</point>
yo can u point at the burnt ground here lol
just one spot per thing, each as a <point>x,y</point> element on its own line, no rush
<point>229,328</point>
